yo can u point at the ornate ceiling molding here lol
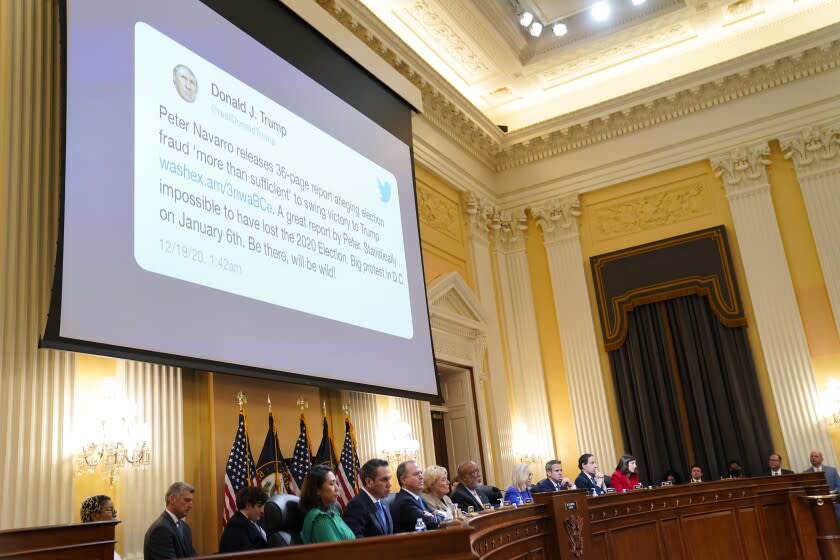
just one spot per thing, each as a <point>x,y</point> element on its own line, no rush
<point>477,137</point>
<point>479,213</point>
<point>509,229</point>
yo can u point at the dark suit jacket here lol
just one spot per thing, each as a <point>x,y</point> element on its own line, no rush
<point>546,485</point>
<point>583,481</point>
<point>163,541</point>
<point>405,510</point>
<point>784,471</point>
<point>240,534</point>
<point>360,516</point>
<point>465,499</point>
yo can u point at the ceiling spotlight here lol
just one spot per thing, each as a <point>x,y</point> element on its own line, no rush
<point>560,29</point>
<point>600,11</point>
<point>526,18</point>
<point>638,2</point>
<point>535,29</point>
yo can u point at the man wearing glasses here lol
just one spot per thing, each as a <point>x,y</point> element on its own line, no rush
<point>468,495</point>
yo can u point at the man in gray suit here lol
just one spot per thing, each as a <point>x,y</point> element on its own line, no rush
<point>169,536</point>
<point>831,476</point>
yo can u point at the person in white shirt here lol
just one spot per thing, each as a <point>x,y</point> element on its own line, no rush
<point>775,464</point>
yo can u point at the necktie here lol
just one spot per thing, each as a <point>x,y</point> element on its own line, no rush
<point>180,526</point>
<point>380,513</point>
<point>556,486</point>
<point>422,503</point>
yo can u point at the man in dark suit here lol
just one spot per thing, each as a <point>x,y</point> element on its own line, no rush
<point>775,464</point>
<point>554,479</point>
<point>241,531</point>
<point>590,478</point>
<point>467,494</point>
<point>169,536</point>
<point>408,506</point>
<point>367,514</point>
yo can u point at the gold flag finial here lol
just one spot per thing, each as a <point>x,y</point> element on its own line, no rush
<point>269,403</point>
<point>324,406</point>
<point>345,408</point>
<point>241,399</point>
<point>302,404</point>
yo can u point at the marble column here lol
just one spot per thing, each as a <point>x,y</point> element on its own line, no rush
<point>774,302</point>
<point>578,337</point>
<point>499,458</point>
<point>815,152</point>
<point>526,373</point>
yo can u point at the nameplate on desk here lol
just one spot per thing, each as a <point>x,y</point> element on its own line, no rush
<point>610,490</point>
<point>571,505</point>
<point>529,500</point>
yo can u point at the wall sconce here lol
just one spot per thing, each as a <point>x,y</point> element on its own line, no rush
<point>113,439</point>
<point>395,441</point>
<point>524,445</point>
<point>829,403</point>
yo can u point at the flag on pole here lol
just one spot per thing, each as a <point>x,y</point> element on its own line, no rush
<point>301,458</point>
<point>240,470</point>
<point>272,470</point>
<point>326,453</point>
<point>348,466</point>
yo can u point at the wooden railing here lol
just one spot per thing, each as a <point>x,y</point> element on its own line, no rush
<point>85,541</point>
<point>790,517</point>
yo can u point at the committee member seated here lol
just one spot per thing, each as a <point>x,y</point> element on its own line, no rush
<point>170,536</point>
<point>774,462</point>
<point>554,479</point>
<point>590,477</point>
<point>98,508</point>
<point>520,484</point>
<point>242,531</point>
<point>625,477</point>
<point>367,515</point>
<point>436,491</point>
<point>408,506</point>
<point>696,474</point>
<point>671,476</point>
<point>467,495</point>
<point>323,522</point>
<point>734,470</point>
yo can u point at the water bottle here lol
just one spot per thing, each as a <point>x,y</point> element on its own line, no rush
<point>419,526</point>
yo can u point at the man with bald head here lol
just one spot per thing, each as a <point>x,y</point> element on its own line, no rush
<point>467,494</point>
<point>831,477</point>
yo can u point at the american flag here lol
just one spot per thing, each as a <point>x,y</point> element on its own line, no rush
<point>301,458</point>
<point>240,470</point>
<point>348,467</point>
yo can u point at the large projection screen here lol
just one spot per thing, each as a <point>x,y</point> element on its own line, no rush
<point>238,197</point>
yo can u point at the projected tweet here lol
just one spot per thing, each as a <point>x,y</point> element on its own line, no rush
<point>235,192</point>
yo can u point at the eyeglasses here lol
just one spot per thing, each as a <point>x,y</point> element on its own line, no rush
<point>112,511</point>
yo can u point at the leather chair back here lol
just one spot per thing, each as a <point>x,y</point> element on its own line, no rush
<point>283,520</point>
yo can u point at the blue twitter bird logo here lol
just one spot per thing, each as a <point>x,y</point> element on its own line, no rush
<point>384,190</point>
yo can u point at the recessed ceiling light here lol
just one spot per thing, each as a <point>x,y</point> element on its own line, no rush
<point>560,29</point>
<point>526,18</point>
<point>536,29</point>
<point>600,11</point>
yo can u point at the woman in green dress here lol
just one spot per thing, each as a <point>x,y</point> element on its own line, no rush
<point>318,497</point>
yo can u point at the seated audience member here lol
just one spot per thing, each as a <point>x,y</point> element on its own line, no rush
<point>367,514</point>
<point>318,497</point>
<point>99,508</point>
<point>625,477</point>
<point>590,477</point>
<point>554,479</point>
<point>242,531</point>
<point>169,536</point>
<point>774,461</point>
<point>467,495</point>
<point>436,491</point>
<point>408,506</point>
<point>519,489</point>
<point>696,474</point>
<point>735,470</point>
<point>672,477</point>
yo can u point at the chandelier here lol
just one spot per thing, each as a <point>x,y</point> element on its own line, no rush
<point>113,439</point>
<point>396,443</point>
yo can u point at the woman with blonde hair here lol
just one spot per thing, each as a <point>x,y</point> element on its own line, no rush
<point>436,491</point>
<point>520,488</point>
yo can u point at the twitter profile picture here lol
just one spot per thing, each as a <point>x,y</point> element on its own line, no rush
<point>384,190</point>
<point>185,83</point>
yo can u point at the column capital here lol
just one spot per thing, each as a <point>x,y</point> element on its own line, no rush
<point>743,169</point>
<point>479,213</point>
<point>813,149</point>
<point>509,228</point>
<point>558,218</point>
